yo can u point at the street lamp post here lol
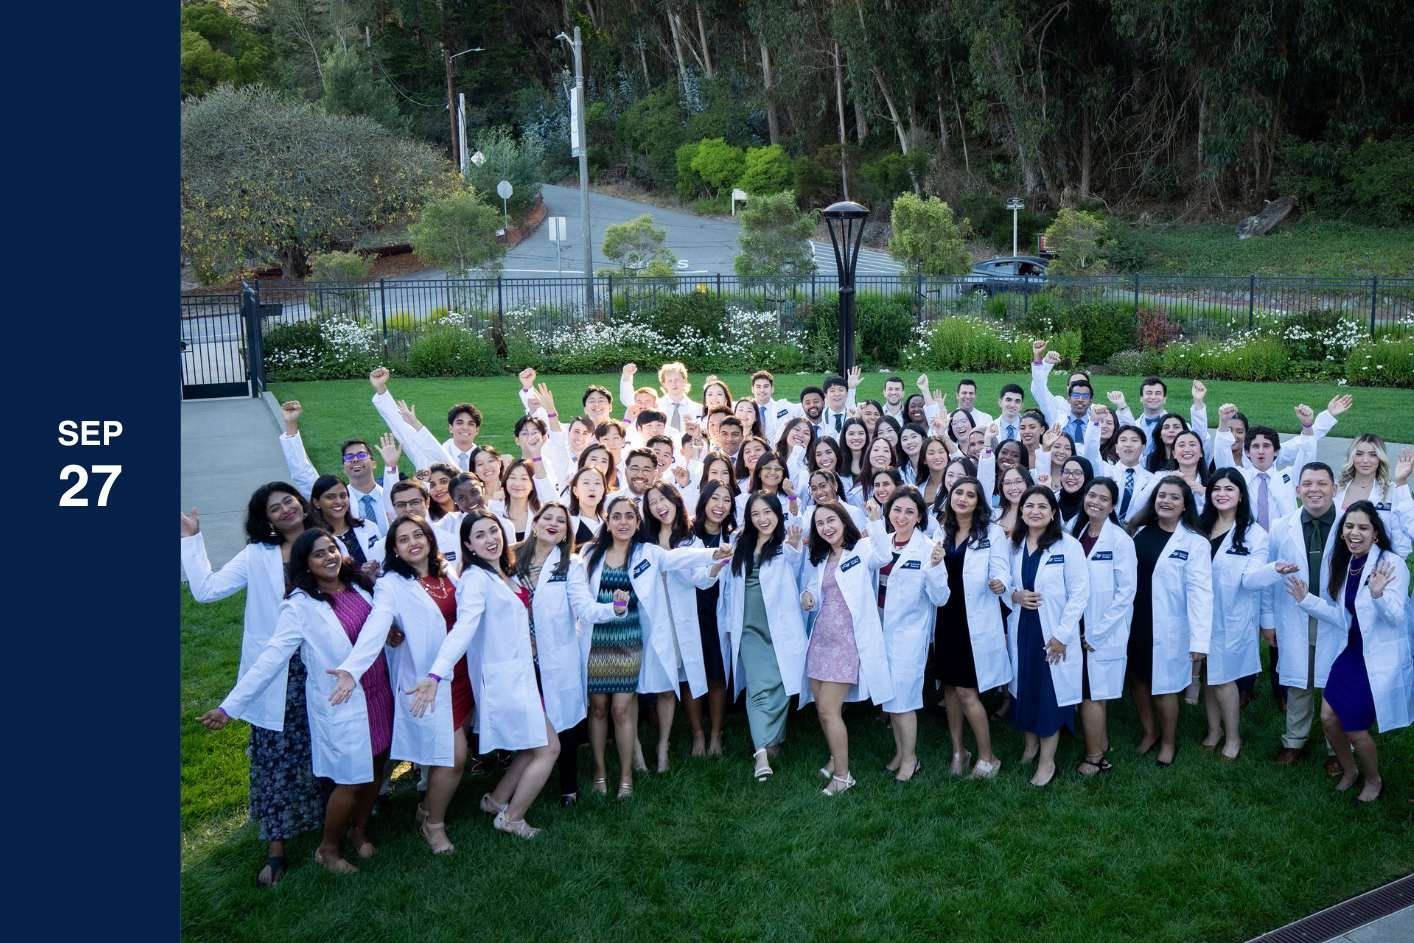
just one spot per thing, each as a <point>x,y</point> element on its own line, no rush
<point>1014,204</point>
<point>579,137</point>
<point>455,115</point>
<point>845,221</point>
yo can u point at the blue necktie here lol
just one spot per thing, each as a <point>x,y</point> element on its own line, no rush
<point>1009,432</point>
<point>1128,492</point>
<point>1077,430</point>
<point>368,506</point>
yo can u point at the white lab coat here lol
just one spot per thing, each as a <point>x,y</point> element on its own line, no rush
<point>1288,544</point>
<point>780,591</point>
<point>659,669</point>
<point>492,632</point>
<point>1113,579</point>
<point>916,589</point>
<point>1182,607</point>
<point>988,558</point>
<point>1384,635</point>
<point>260,571</point>
<point>369,539</point>
<point>1240,579</point>
<point>680,601</point>
<point>428,740</point>
<point>339,735</point>
<point>1396,508</point>
<point>303,474</point>
<point>855,575</point>
<point>1063,580</point>
<point>565,613</point>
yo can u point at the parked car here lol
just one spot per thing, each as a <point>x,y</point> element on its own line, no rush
<point>1025,273</point>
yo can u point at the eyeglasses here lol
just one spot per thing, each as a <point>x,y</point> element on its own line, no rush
<point>1072,474</point>
<point>407,505</point>
<point>1081,396</point>
<point>355,456</point>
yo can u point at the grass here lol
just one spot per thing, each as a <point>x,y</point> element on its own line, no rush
<point>335,409</point>
<point>1296,247</point>
<point>1201,851</point>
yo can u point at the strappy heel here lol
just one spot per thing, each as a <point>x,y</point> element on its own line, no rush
<point>490,806</point>
<point>430,831</point>
<point>519,827</point>
<point>763,769</point>
<point>844,783</point>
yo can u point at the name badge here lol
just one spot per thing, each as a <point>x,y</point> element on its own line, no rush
<point>373,540</point>
<point>782,413</point>
<point>1382,506</point>
<point>642,567</point>
<point>1236,552</point>
<point>1179,555</point>
<point>1058,558</point>
<point>982,544</point>
<point>449,556</point>
<point>1101,555</point>
<point>559,578</point>
<point>1285,477</point>
<point>912,565</point>
<point>848,563</point>
<point>780,552</point>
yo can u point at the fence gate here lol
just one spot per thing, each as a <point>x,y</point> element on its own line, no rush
<point>214,342</point>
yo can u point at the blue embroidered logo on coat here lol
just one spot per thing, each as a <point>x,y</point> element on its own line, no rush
<point>848,563</point>
<point>1103,555</point>
<point>1238,551</point>
<point>1179,555</point>
<point>1058,558</point>
<point>912,565</point>
<point>982,544</point>
<point>642,567</point>
<point>559,578</point>
<point>781,413</point>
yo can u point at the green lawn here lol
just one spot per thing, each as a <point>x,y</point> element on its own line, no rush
<point>335,409</point>
<point>1201,851</point>
<point>1296,247</point>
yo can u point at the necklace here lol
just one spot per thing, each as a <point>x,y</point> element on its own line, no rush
<point>436,587</point>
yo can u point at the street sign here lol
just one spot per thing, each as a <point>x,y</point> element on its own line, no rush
<point>503,189</point>
<point>738,195</point>
<point>556,228</point>
<point>575,105</point>
<point>478,158</point>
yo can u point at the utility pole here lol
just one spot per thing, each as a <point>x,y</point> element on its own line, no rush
<point>583,172</point>
<point>451,103</point>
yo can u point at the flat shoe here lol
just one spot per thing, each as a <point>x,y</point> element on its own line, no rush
<point>960,763</point>
<point>490,806</point>
<point>917,768</point>
<point>1230,759</point>
<point>276,864</point>
<point>520,828</point>
<point>333,865</point>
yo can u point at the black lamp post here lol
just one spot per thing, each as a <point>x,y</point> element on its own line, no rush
<point>845,221</point>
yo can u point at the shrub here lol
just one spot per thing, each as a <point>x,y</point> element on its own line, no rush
<point>1320,336</point>
<point>458,233</point>
<point>1156,331</point>
<point>886,324</point>
<point>1106,327</point>
<point>689,184</point>
<point>339,267</point>
<point>767,170</point>
<point>1134,363</point>
<point>449,350</point>
<point>718,163</point>
<point>973,344</point>
<point>1239,358</point>
<point>403,322</point>
<point>328,349</point>
<point>775,238</point>
<point>1385,362</point>
<point>637,244</point>
<point>926,237</point>
<point>1081,242</point>
<point>698,312</point>
<point>521,162</point>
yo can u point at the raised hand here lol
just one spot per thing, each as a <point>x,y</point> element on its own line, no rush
<point>788,488</point>
<point>344,688</point>
<point>379,378</point>
<point>1225,413</point>
<point>630,369</point>
<point>389,449</point>
<point>807,601</point>
<point>1038,350</point>
<point>1305,414</point>
<point>941,399</point>
<point>527,378</point>
<point>1381,578</point>
<point>794,535</point>
<point>722,552</point>
<point>191,524</point>
<point>922,382</point>
<point>1200,391</point>
<point>1099,410</point>
<point>994,432</point>
<point>215,719</point>
<point>872,508</point>
<point>290,412</point>
<point>1116,398</point>
<point>1296,586</point>
<point>409,415</point>
<point>1404,467</point>
<point>547,399</point>
<point>681,476</point>
<point>854,377</point>
<point>1339,404</point>
<point>1052,357</point>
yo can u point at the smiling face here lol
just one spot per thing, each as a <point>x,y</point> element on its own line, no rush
<point>1152,396</point>
<point>1107,425</point>
<point>1008,455</point>
<point>953,472</point>
<point>883,488</point>
<point>960,425</point>
<point>1061,451</point>
<point>813,404</point>
<point>829,526</point>
<point>763,518</point>
<point>869,414</point>
<point>1168,503</point>
<point>663,452</point>
<point>880,454</point>
<point>967,396</point>
<point>1169,430</point>
<point>893,392</point>
<point>746,412</point>
<point>1187,449</point>
<point>1098,503</point>
<point>905,517</point>
<point>518,483</point>
<point>762,390</point>
<point>659,507</point>
<point>910,441</point>
<point>641,470</point>
<point>1079,399</point>
<point>1365,459</point>
<point>1010,403</point>
<point>623,520</point>
<point>410,544</point>
<point>935,456</point>
<point>674,383</point>
<point>885,431</point>
<point>824,456</point>
<point>1036,511</point>
<point>464,430</point>
<point>718,507</point>
<point>468,496</point>
<point>529,436</point>
<point>325,560</point>
<point>486,467</point>
<point>598,459</point>
<point>1013,485</point>
<point>729,436</point>
<point>552,524</point>
<point>410,502</point>
<point>855,438</point>
<point>597,407</point>
<point>1072,477</point>
<point>1358,532</point>
<point>714,395</point>
<point>799,436</point>
<point>439,484</point>
<point>1029,430</point>
<point>1317,491</point>
<point>358,460</point>
<point>772,473</point>
<point>334,503</point>
<point>822,488</point>
<point>835,397</point>
<point>718,469</point>
<point>485,539</point>
<point>283,511</point>
<point>612,439</point>
<point>914,410</point>
<point>1224,494</point>
<point>963,499</point>
<point>580,436</point>
<point>1129,446</point>
<point>751,453</point>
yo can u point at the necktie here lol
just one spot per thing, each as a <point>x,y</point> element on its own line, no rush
<point>1077,430</point>
<point>464,460</point>
<point>1128,492</point>
<point>839,421</point>
<point>1263,497</point>
<point>1009,432</point>
<point>367,505</point>
<point>761,419</point>
<point>675,421</point>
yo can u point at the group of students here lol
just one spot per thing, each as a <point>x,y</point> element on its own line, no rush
<point>827,549</point>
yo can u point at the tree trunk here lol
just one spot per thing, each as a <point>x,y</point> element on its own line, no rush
<point>1086,132</point>
<point>677,51</point>
<point>861,123</point>
<point>961,128</point>
<point>944,143</point>
<point>893,112</point>
<point>773,123</point>
<point>643,61</point>
<point>702,34</point>
<point>839,107</point>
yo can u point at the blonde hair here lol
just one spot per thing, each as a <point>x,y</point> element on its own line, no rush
<point>677,366</point>
<point>1347,471</point>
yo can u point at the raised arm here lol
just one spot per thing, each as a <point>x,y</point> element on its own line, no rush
<point>302,470</point>
<point>205,585</point>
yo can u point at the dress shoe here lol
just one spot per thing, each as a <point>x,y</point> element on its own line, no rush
<point>1287,756</point>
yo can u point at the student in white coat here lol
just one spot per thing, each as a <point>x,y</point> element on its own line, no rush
<point>969,638</point>
<point>1104,630</point>
<point>1364,592</point>
<point>619,559</point>
<point>562,610</point>
<point>668,526</point>
<point>912,586</point>
<point>846,658</point>
<point>362,540</point>
<point>284,797</point>
<point>764,624</point>
<point>1238,545</point>
<point>359,460</point>
<point>417,592</point>
<point>713,523</point>
<point>327,607</point>
<point>1130,476</point>
<point>493,635</point>
<point>1173,610</point>
<point>1366,477</point>
<point>1051,587</point>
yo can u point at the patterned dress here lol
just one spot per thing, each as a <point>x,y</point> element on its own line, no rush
<point>616,648</point>
<point>352,610</point>
<point>284,795</point>
<point>833,655</point>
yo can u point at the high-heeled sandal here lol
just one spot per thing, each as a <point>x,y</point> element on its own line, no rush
<point>763,770</point>
<point>625,791</point>
<point>960,763</point>
<point>846,782</point>
<point>520,827</point>
<point>429,829</point>
<point>600,786</point>
<point>490,806</point>
<point>985,770</point>
<point>363,847</point>
<point>333,865</point>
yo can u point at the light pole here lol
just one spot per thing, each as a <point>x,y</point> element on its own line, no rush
<point>1014,204</point>
<point>579,137</point>
<point>845,221</point>
<point>452,104</point>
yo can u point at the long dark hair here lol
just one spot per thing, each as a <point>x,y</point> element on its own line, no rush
<point>611,479</point>
<point>840,467</point>
<point>604,540</point>
<point>1070,503</point>
<point>981,516</point>
<point>892,473</point>
<point>1242,519</point>
<point>322,485</point>
<point>1159,455</point>
<point>739,470</point>
<point>766,457</point>
<point>469,558</point>
<point>699,517</point>
<point>819,547</point>
<point>392,563</point>
<point>920,471</point>
<point>681,527</point>
<point>532,500</point>
<point>907,493</point>
<point>783,446</point>
<point>574,499</point>
<point>525,550</point>
<point>869,469</point>
<point>299,576</point>
<point>1053,530</point>
<point>718,457</point>
<point>744,556</point>
<point>1147,516</point>
<point>853,467</point>
<point>258,529</point>
<point>1082,521</point>
<point>435,510</point>
<point>1340,554</point>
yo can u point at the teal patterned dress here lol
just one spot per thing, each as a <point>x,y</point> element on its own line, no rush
<point>616,647</point>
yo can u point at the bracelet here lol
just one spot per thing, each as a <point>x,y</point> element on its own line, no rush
<point>535,458</point>
<point>1308,425</point>
<point>552,415</point>
<point>434,677</point>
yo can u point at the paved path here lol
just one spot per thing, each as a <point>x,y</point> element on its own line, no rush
<point>1398,927</point>
<point>229,448</point>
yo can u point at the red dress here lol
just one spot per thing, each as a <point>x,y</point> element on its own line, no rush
<point>444,596</point>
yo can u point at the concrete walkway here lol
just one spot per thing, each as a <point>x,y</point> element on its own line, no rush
<point>1398,927</point>
<point>229,448</point>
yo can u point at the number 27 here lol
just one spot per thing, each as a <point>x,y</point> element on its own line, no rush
<point>80,476</point>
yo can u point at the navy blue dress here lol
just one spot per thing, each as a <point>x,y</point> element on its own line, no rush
<point>1348,687</point>
<point>1035,710</point>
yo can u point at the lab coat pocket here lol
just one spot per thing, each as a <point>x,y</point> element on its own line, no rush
<point>512,718</point>
<point>340,740</point>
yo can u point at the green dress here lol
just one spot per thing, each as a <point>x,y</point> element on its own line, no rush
<point>616,647</point>
<point>766,699</point>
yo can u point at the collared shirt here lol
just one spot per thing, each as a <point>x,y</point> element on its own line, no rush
<point>1316,530</point>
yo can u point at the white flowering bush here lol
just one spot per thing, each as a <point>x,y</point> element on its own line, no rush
<point>1246,355</point>
<point>1388,361</point>
<point>326,349</point>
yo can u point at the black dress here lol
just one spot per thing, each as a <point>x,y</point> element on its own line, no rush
<point>707,624</point>
<point>952,639</point>
<point>1149,546</point>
